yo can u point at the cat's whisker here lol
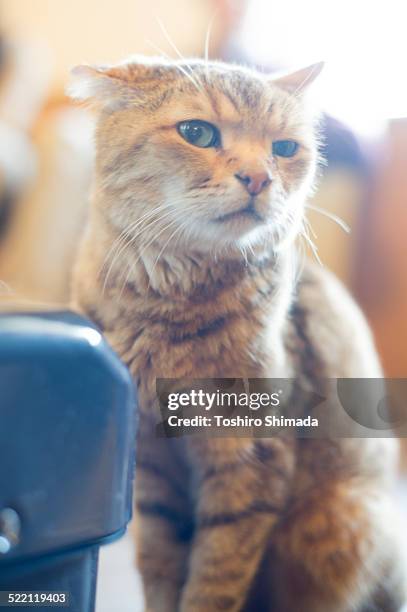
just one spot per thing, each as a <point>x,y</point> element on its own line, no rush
<point>141,227</point>
<point>207,43</point>
<point>122,242</point>
<point>158,49</point>
<point>133,225</point>
<point>146,217</point>
<point>132,237</point>
<point>176,66</point>
<point>150,224</point>
<point>190,77</point>
<point>312,246</point>
<point>122,236</point>
<point>132,264</point>
<point>169,39</point>
<point>178,52</point>
<point>155,237</point>
<point>243,251</point>
<point>178,215</point>
<point>169,58</point>
<point>112,254</point>
<point>335,218</point>
<point>177,229</point>
<point>250,246</point>
<point>309,227</point>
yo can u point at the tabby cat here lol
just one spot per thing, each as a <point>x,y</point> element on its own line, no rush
<point>188,265</point>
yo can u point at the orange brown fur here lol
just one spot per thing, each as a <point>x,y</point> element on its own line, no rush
<point>229,524</point>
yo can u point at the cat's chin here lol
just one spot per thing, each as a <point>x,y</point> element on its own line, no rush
<point>233,227</point>
<point>247,215</point>
<point>230,236</point>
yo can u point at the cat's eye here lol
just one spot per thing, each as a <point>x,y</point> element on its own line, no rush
<point>199,133</point>
<point>285,148</point>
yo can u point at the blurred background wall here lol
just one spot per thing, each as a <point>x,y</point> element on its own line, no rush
<point>46,142</point>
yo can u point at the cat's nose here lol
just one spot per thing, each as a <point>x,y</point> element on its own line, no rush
<point>254,182</point>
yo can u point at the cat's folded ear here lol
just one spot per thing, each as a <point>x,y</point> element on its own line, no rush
<point>90,83</point>
<point>108,86</point>
<point>298,82</point>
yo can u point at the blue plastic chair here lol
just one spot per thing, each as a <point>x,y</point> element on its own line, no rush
<point>67,448</point>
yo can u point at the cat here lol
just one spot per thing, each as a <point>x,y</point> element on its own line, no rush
<point>188,264</point>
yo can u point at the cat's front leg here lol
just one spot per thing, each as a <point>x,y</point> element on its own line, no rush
<point>242,493</point>
<point>163,524</point>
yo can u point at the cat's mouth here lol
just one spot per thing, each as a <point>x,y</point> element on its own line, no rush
<point>248,212</point>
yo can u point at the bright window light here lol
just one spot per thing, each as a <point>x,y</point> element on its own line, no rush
<point>362,43</point>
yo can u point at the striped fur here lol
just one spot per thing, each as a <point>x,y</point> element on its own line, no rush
<point>229,524</point>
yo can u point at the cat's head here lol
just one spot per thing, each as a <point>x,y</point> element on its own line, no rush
<point>201,155</point>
